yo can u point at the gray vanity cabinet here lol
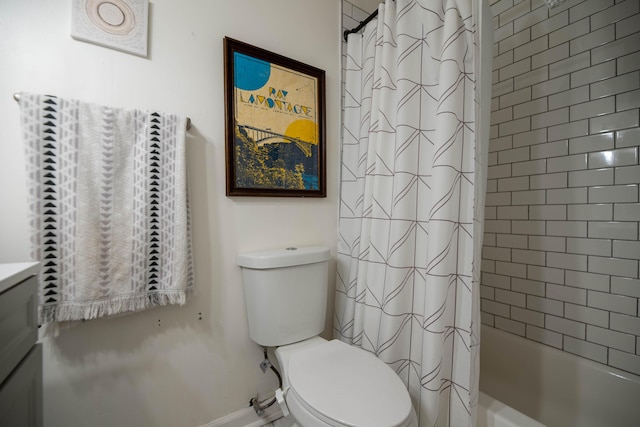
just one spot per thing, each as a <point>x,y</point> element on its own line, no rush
<point>20,355</point>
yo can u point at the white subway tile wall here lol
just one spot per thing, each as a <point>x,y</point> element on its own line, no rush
<point>562,244</point>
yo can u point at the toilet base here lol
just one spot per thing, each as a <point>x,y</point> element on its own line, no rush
<point>287,421</point>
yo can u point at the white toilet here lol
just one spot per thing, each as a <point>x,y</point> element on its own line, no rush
<point>324,383</point>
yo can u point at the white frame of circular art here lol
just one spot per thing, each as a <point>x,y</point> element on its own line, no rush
<point>117,24</point>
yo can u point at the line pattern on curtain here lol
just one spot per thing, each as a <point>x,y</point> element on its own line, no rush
<point>411,211</point>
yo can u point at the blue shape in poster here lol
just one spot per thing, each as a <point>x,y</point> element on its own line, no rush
<point>250,73</point>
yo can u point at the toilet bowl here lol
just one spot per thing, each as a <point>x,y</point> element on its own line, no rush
<point>330,383</point>
<point>324,383</point>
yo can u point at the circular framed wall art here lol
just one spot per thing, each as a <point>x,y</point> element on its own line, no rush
<point>117,24</point>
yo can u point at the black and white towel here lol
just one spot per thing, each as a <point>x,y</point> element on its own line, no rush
<point>108,207</point>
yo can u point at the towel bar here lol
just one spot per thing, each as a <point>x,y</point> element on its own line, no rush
<point>16,96</point>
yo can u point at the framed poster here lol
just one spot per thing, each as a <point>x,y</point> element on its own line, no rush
<point>275,125</point>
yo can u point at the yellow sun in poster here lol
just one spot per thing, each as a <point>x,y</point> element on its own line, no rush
<point>304,130</point>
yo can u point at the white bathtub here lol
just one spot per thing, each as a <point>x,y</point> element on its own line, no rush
<point>493,413</point>
<point>555,387</point>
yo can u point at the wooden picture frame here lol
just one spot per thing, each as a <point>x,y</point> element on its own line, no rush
<point>275,124</point>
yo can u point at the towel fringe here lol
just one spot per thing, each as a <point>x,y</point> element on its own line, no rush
<point>94,309</point>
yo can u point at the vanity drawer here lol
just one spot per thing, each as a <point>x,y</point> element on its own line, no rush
<point>18,324</point>
<point>21,394</point>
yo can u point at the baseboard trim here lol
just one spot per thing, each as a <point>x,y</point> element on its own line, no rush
<point>247,418</point>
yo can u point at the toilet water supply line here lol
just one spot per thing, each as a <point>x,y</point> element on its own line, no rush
<point>259,406</point>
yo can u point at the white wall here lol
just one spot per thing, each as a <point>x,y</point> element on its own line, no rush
<point>186,365</point>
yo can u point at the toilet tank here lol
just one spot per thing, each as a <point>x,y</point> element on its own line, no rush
<point>285,293</point>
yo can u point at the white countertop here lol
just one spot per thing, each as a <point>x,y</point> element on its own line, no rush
<point>15,272</point>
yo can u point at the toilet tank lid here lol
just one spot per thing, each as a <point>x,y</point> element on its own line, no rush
<point>283,257</point>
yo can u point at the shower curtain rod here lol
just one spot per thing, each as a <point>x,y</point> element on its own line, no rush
<point>361,25</point>
<point>16,96</point>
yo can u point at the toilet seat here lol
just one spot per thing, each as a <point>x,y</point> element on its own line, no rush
<point>346,386</point>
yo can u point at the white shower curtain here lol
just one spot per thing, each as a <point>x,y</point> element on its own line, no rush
<point>412,202</point>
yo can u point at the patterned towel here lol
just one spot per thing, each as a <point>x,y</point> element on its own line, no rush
<point>108,207</point>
